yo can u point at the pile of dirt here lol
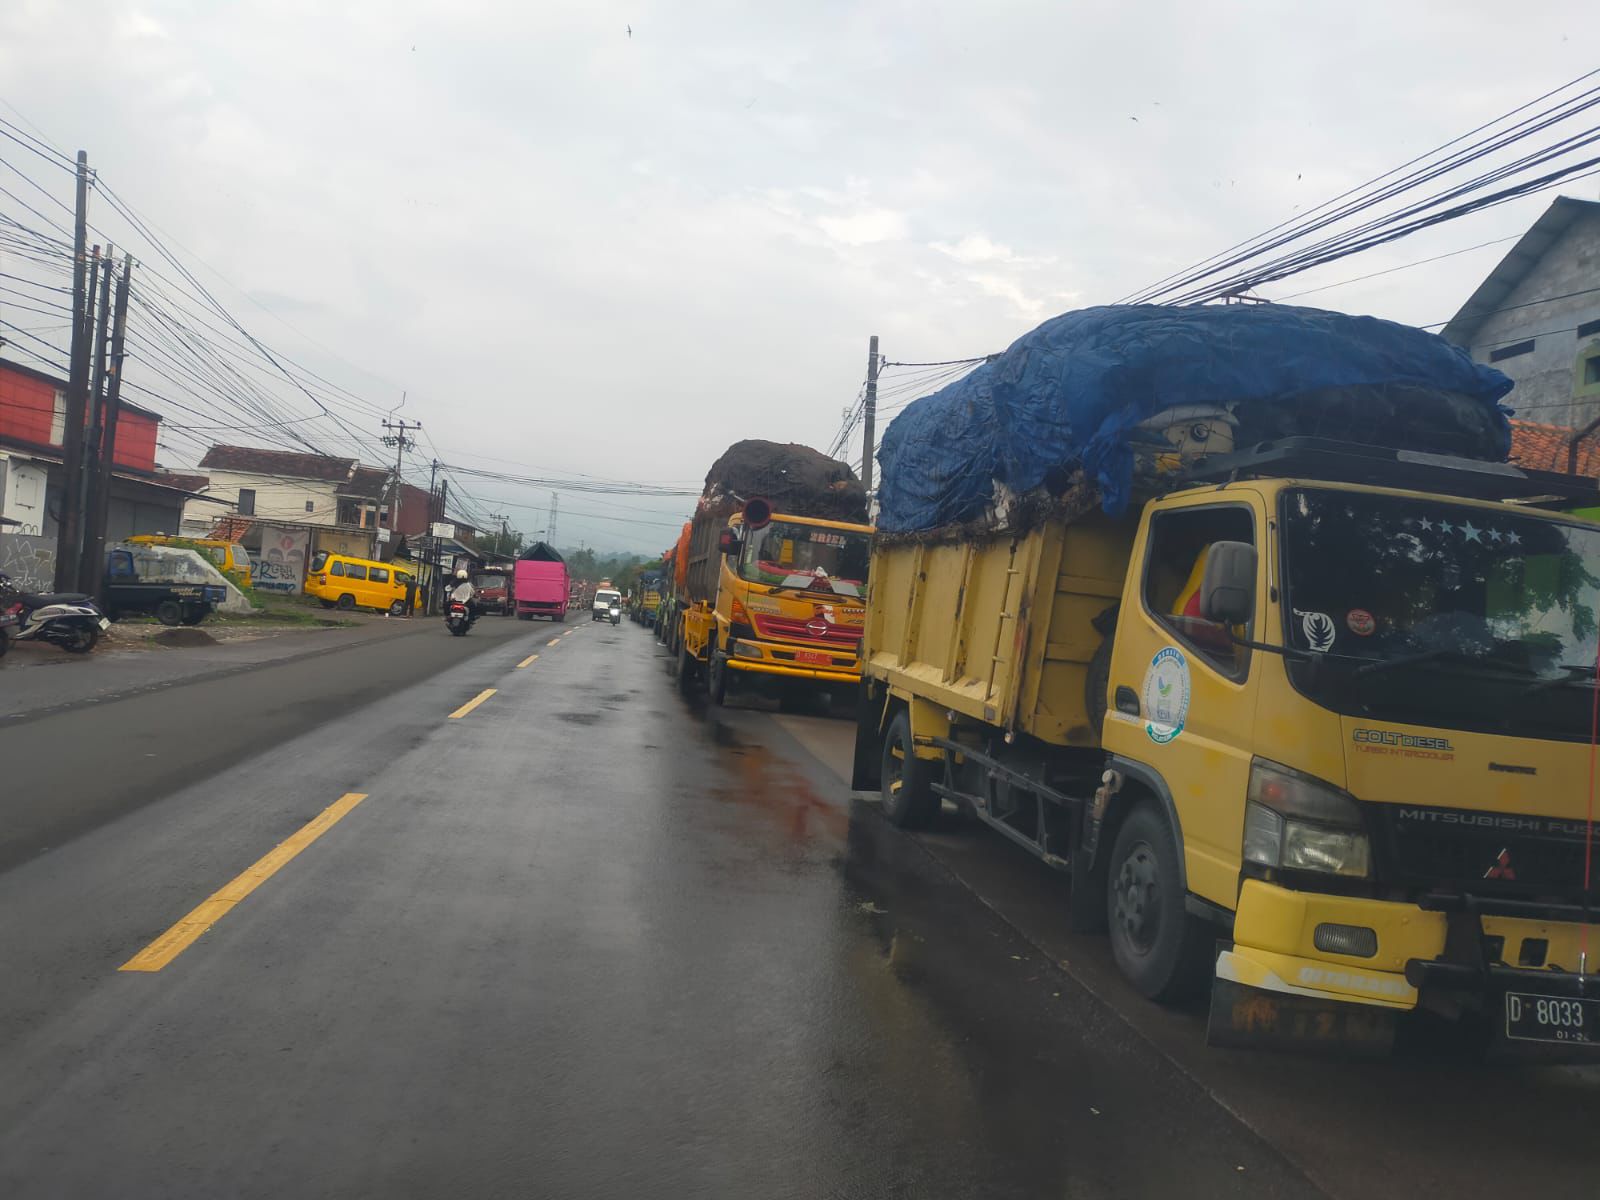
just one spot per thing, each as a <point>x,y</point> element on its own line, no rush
<point>790,477</point>
<point>184,635</point>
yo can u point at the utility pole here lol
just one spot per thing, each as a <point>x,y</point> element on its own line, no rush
<point>70,527</point>
<point>401,444</point>
<point>550,532</point>
<point>433,542</point>
<point>869,431</point>
<point>505,531</point>
<point>94,542</point>
<point>88,493</point>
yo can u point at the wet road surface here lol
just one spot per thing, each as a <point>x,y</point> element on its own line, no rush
<point>581,940</point>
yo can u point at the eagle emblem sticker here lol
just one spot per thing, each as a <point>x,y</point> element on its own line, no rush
<point>1166,694</point>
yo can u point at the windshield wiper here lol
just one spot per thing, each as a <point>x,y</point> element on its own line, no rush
<point>1574,673</point>
<point>1470,657</point>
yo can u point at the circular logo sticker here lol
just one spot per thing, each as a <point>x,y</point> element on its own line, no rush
<point>1166,694</point>
<point>1360,622</point>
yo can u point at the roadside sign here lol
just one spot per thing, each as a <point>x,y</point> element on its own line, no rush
<point>443,529</point>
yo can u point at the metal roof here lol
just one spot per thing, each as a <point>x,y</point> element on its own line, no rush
<point>1515,267</point>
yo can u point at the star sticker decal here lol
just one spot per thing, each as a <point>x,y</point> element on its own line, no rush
<point>1426,524</point>
<point>1495,534</point>
<point>1513,538</point>
<point>1472,533</point>
<point>1446,527</point>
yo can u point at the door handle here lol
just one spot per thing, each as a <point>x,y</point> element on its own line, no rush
<point>1127,700</point>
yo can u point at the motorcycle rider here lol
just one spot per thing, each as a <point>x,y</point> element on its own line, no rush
<point>465,593</point>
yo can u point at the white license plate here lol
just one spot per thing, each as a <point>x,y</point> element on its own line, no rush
<point>1565,1019</point>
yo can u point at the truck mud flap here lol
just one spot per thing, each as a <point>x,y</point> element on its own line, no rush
<point>867,763</point>
<point>1244,1017</point>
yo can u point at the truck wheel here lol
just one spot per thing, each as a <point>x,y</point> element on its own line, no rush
<point>397,609</point>
<point>346,602</point>
<point>909,800</point>
<point>717,678</point>
<point>1160,948</point>
<point>194,616</point>
<point>169,612</point>
<point>687,666</point>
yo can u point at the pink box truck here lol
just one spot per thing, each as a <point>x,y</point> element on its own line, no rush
<point>540,584</point>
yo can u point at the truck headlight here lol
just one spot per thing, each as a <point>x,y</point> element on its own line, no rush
<point>1298,823</point>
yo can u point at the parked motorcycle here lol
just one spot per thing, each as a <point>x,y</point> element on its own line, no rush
<point>70,620</point>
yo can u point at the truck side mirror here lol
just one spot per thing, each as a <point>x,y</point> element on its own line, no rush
<point>1228,588</point>
<point>728,541</point>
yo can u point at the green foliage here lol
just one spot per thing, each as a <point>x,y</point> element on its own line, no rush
<point>622,569</point>
<point>509,544</point>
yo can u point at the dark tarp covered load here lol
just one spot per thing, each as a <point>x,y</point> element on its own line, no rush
<point>541,552</point>
<point>792,478</point>
<point>1073,393</point>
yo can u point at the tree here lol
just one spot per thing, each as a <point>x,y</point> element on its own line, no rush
<point>509,543</point>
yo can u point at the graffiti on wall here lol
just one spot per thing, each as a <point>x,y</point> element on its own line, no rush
<point>30,560</point>
<point>280,564</point>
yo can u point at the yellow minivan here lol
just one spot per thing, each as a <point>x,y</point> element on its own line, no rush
<point>341,581</point>
<point>228,556</point>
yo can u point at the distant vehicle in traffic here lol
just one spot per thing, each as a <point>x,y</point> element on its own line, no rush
<point>540,583</point>
<point>492,592</point>
<point>604,599</point>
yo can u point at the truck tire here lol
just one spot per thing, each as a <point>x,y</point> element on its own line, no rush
<point>346,602</point>
<point>1160,948</point>
<point>909,800</point>
<point>169,612</point>
<point>397,609</point>
<point>193,616</point>
<point>717,678</point>
<point>560,618</point>
<point>687,668</point>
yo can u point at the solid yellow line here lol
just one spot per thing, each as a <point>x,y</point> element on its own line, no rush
<point>526,661</point>
<point>182,935</point>
<point>473,703</point>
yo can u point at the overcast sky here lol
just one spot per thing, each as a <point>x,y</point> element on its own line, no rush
<point>581,251</point>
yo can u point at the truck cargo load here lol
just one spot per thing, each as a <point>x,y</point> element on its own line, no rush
<point>1087,391</point>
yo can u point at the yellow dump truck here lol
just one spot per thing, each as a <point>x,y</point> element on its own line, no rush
<point>1239,614</point>
<point>1319,718</point>
<point>774,599</point>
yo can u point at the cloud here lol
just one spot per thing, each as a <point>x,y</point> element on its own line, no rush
<point>866,227</point>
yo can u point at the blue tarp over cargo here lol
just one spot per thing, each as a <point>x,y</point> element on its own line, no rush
<point>1070,394</point>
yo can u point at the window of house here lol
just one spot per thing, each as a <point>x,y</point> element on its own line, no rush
<point>1174,565</point>
<point>58,419</point>
<point>1588,329</point>
<point>378,575</point>
<point>356,570</point>
<point>311,506</point>
<point>247,502</point>
<point>1514,350</point>
<point>1591,370</point>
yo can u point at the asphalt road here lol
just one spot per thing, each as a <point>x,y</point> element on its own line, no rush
<point>587,938</point>
<point>583,939</point>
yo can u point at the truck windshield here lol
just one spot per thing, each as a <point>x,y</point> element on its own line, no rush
<point>1437,614</point>
<point>806,557</point>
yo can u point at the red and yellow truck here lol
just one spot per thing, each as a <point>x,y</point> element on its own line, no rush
<point>774,575</point>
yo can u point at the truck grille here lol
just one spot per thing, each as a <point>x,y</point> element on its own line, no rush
<point>1490,854</point>
<point>788,629</point>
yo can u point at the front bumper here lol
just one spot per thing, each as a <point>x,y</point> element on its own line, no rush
<point>1449,961</point>
<point>779,660</point>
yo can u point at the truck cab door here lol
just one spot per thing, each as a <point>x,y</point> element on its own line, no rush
<point>1182,691</point>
